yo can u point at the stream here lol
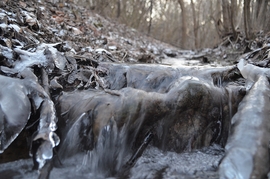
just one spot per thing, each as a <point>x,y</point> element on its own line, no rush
<point>74,106</point>
<point>186,109</point>
<point>156,121</point>
<point>85,153</point>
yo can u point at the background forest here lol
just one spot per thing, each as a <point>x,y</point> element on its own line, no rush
<point>189,24</point>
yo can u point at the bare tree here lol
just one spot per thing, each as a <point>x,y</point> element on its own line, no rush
<point>118,9</point>
<point>247,18</point>
<point>226,16</point>
<point>184,25</point>
<point>150,17</point>
<point>195,25</point>
<point>101,6</point>
<point>259,14</point>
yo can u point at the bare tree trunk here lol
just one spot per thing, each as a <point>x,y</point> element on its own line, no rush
<point>264,12</point>
<point>195,25</point>
<point>259,14</point>
<point>238,14</point>
<point>100,6</point>
<point>226,16</point>
<point>184,25</point>
<point>216,16</point>
<point>232,13</point>
<point>150,20</point>
<point>124,10</point>
<point>138,12</point>
<point>218,10</point>
<point>247,18</point>
<point>118,13</point>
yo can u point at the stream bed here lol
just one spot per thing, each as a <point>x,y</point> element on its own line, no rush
<point>154,163</point>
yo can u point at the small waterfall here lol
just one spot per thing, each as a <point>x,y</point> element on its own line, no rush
<point>219,82</point>
<point>219,123</point>
<point>111,152</point>
<point>225,110</point>
<point>230,102</point>
<point>229,91</point>
<point>71,144</point>
<point>191,114</point>
<point>230,109</point>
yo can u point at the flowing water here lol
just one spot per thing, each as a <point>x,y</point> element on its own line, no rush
<point>152,157</point>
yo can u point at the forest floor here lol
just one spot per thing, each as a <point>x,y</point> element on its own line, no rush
<point>84,33</point>
<point>81,31</point>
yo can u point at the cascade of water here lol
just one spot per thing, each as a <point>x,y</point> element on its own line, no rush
<point>112,151</point>
<point>230,102</point>
<point>219,122</point>
<point>72,140</point>
<point>219,81</point>
<point>230,95</point>
<point>191,114</point>
<point>104,158</point>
